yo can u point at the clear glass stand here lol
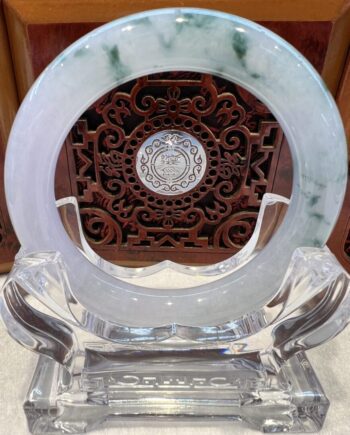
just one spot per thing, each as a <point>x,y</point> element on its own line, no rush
<point>93,372</point>
<point>114,386</point>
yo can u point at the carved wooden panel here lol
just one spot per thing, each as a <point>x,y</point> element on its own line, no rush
<point>8,106</point>
<point>123,218</point>
<point>339,240</point>
<point>343,100</point>
<point>342,250</point>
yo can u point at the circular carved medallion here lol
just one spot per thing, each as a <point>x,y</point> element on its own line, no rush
<point>171,162</point>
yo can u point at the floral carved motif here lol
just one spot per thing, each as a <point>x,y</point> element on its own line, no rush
<point>241,140</point>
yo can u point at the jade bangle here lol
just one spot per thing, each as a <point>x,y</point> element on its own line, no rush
<point>182,40</point>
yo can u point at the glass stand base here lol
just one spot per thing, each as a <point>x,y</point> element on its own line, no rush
<point>106,388</point>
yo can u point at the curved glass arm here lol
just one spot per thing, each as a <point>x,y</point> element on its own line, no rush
<point>272,211</point>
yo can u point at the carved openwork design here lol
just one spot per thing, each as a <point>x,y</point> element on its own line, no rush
<point>239,136</point>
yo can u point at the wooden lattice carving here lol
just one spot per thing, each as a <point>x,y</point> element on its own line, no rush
<point>122,218</point>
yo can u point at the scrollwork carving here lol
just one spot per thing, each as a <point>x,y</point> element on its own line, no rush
<point>241,140</point>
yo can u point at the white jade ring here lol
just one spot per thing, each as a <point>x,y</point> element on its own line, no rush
<point>183,40</point>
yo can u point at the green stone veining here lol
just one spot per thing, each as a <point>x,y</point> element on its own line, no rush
<point>118,67</point>
<point>195,20</point>
<point>81,52</point>
<point>166,44</point>
<point>317,216</point>
<point>144,21</point>
<point>240,45</point>
<point>313,200</point>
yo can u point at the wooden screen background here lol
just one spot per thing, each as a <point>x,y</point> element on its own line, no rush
<point>122,219</point>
